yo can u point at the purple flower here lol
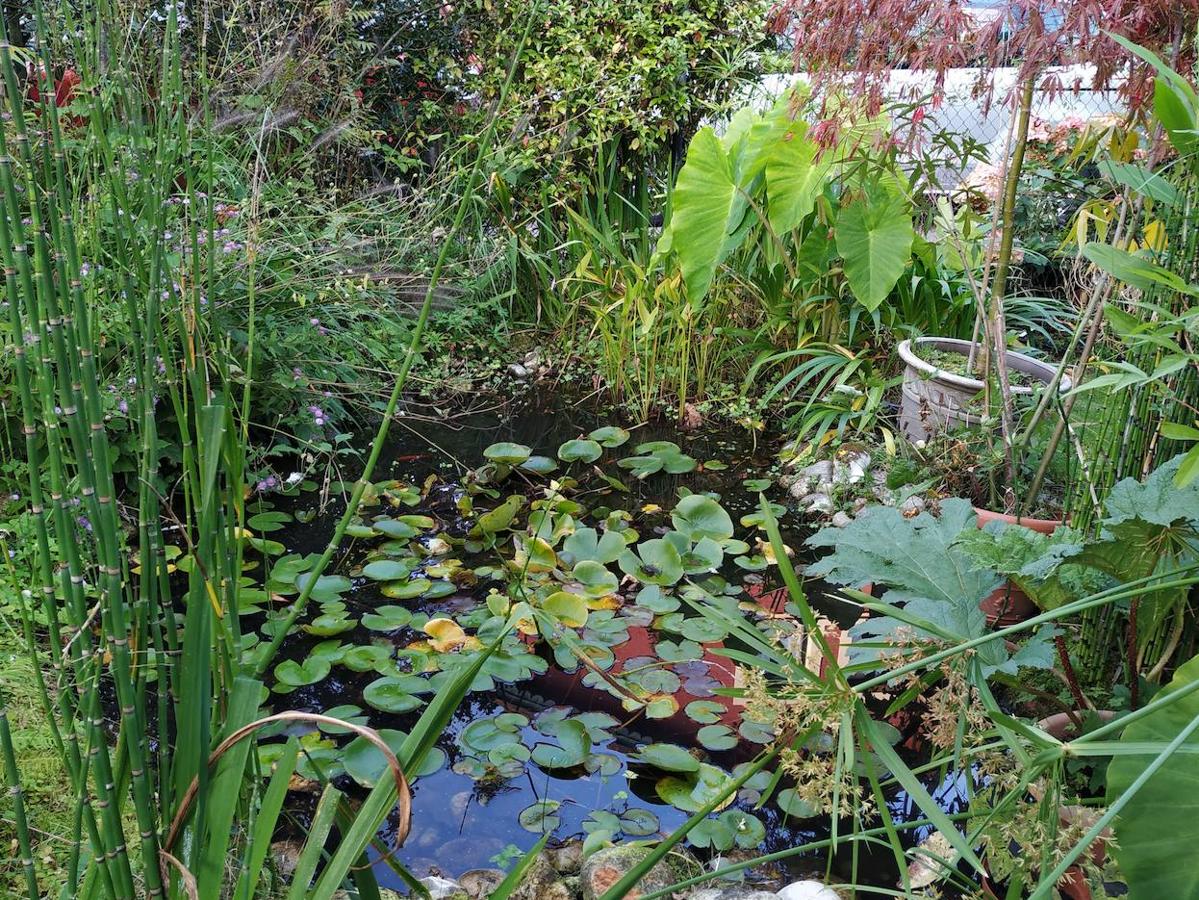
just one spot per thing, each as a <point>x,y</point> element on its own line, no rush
<point>84,523</point>
<point>123,406</point>
<point>296,373</point>
<point>85,269</point>
<point>267,484</point>
<point>318,415</point>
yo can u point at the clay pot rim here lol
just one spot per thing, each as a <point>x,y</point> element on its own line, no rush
<point>1045,526</point>
<point>1040,370</point>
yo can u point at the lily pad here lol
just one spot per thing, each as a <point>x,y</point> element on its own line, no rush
<point>654,562</point>
<point>790,803</point>
<point>694,791</point>
<point>596,579</point>
<point>575,746</point>
<point>295,674</point>
<point>670,757</point>
<point>366,764</point>
<point>387,618</point>
<point>638,822</point>
<point>538,465</point>
<point>588,544</point>
<point>704,711</point>
<point>610,436</point>
<point>698,516</point>
<point>541,817</point>
<point>717,737</point>
<point>508,453</point>
<point>405,590</point>
<point>386,570</point>
<point>580,451</point>
<point>395,528</point>
<point>390,694</point>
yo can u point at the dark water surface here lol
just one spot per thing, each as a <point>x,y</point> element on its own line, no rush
<point>459,824</point>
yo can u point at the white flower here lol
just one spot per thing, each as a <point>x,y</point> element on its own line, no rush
<point>295,478</point>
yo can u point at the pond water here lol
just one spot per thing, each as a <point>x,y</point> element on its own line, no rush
<point>485,799</point>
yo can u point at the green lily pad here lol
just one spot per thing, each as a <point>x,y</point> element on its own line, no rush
<point>275,520</point>
<point>748,830</point>
<point>712,833</point>
<point>587,544</point>
<point>507,453</point>
<point>717,737</point>
<point>368,658</point>
<point>391,694</point>
<point>541,817</point>
<point>596,579</point>
<point>610,436</point>
<point>405,590</point>
<point>695,790</point>
<point>386,570</point>
<point>670,757</point>
<point>483,735</point>
<point>330,624</point>
<point>757,485</point>
<point>575,746</point>
<point>395,528</point>
<point>295,674</point>
<point>387,618</point>
<point>366,764</point>
<point>580,451</point>
<point>698,517</point>
<point>639,822</point>
<point>703,630</point>
<point>654,562</point>
<point>788,801</point>
<point>569,609</point>
<point>704,711</point>
<point>538,465</point>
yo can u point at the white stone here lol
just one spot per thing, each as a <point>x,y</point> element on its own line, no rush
<point>841,519</point>
<point>808,890</point>
<point>439,888</point>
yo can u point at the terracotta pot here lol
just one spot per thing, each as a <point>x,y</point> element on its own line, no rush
<point>1008,605</point>
<point>1044,526</point>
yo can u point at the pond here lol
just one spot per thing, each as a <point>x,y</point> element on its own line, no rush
<point>545,743</point>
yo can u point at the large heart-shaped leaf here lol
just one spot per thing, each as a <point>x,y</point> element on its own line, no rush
<point>874,238</point>
<point>698,517</point>
<point>1156,831</point>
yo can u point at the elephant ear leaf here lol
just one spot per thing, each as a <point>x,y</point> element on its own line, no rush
<point>794,178</point>
<point>1158,822</point>
<point>874,238</point>
<point>709,211</point>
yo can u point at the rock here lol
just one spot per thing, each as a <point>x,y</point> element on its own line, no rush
<point>286,854</point>
<point>841,519</point>
<point>817,502</point>
<point>808,890</point>
<point>567,859</point>
<point>479,884</point>
<point>518,371</point>
<point>459,802</point>
<point>850,467</point>
<point>731,892</point>
<point>606,867</point>
<point>441,888</point>
<point>541,882</point>
<point>912,506</point>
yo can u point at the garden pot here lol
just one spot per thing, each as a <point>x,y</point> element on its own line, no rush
<point>935,400</point>
<point>1008,605</point>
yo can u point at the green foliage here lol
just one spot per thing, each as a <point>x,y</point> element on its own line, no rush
<point>1157,822</point>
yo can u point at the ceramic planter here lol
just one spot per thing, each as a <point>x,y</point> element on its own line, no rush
<point>935,400</point>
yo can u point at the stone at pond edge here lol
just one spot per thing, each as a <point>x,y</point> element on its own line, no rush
<point>541,882</point>
<point>808,890</point>
<point>443,888</point>
<point>567,859</point>
<point>479,884</point>
<point>734,892</point>
<point>606,867</point>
